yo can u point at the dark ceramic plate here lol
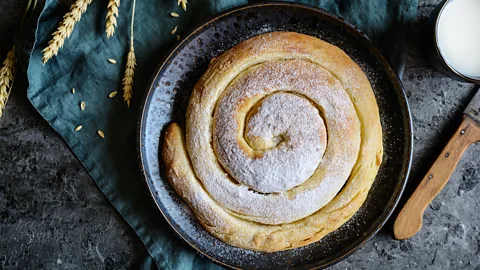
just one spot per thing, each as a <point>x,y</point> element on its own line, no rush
<point>167,99</point>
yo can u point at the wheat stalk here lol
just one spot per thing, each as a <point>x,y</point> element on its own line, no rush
<point>65,28</point>
<point>7,75</point>
<point>111,18</point>
<point>183,3</point>
<point>130,66</point>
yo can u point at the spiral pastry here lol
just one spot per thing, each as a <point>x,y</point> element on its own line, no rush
<point>283,142</point>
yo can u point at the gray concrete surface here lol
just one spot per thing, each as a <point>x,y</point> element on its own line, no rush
<point>52,216</point>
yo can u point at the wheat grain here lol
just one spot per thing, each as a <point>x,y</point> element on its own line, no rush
<point>174,30</point>
<point>111,18</point>
<point>112,94</point>
<point>82,105</point>
<point>174,14</point>
<point>130,66</point>
<point>113,61</point>
<point>78,128</point>
<point>183,3</point>
<point>101,134</point>
<point>65,29</point>
<point>7,75</point>
<point>73,90</point>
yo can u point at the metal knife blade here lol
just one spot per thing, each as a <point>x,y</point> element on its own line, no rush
<point>473,108</point>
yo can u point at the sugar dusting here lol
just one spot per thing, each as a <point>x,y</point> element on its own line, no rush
<point>288,137</point>
<point>313,84</point>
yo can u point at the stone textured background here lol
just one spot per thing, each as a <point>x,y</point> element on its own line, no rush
<point>52,216</point>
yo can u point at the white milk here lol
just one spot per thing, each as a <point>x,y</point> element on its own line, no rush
<point>458,36</point>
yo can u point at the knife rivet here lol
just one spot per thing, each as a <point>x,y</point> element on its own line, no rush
<point>462,132</point>
<point>430,176</point>
<point>447,154</point>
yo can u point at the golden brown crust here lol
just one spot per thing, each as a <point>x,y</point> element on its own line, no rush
<point>240,229</point>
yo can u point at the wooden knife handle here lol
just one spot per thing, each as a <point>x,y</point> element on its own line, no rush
<point>410,219</point>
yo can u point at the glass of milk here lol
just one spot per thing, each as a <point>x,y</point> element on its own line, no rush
<point>456,43</point>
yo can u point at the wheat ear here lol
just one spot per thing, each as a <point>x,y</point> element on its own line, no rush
<point>183,3</point>
<point>65,28</point>
<point>130,66</point>
<point>9,67</point>
<point>111,18</point>
<point>7,75</point>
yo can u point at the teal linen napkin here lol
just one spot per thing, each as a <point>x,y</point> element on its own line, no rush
<point>82,64</point>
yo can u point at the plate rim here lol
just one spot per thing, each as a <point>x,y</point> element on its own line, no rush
<point>401,97</point>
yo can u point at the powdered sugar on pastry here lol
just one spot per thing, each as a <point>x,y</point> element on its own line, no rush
<point>286,140</point>
<point>282,168</point>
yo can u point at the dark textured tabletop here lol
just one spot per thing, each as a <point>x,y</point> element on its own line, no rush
<point>52,216</point>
